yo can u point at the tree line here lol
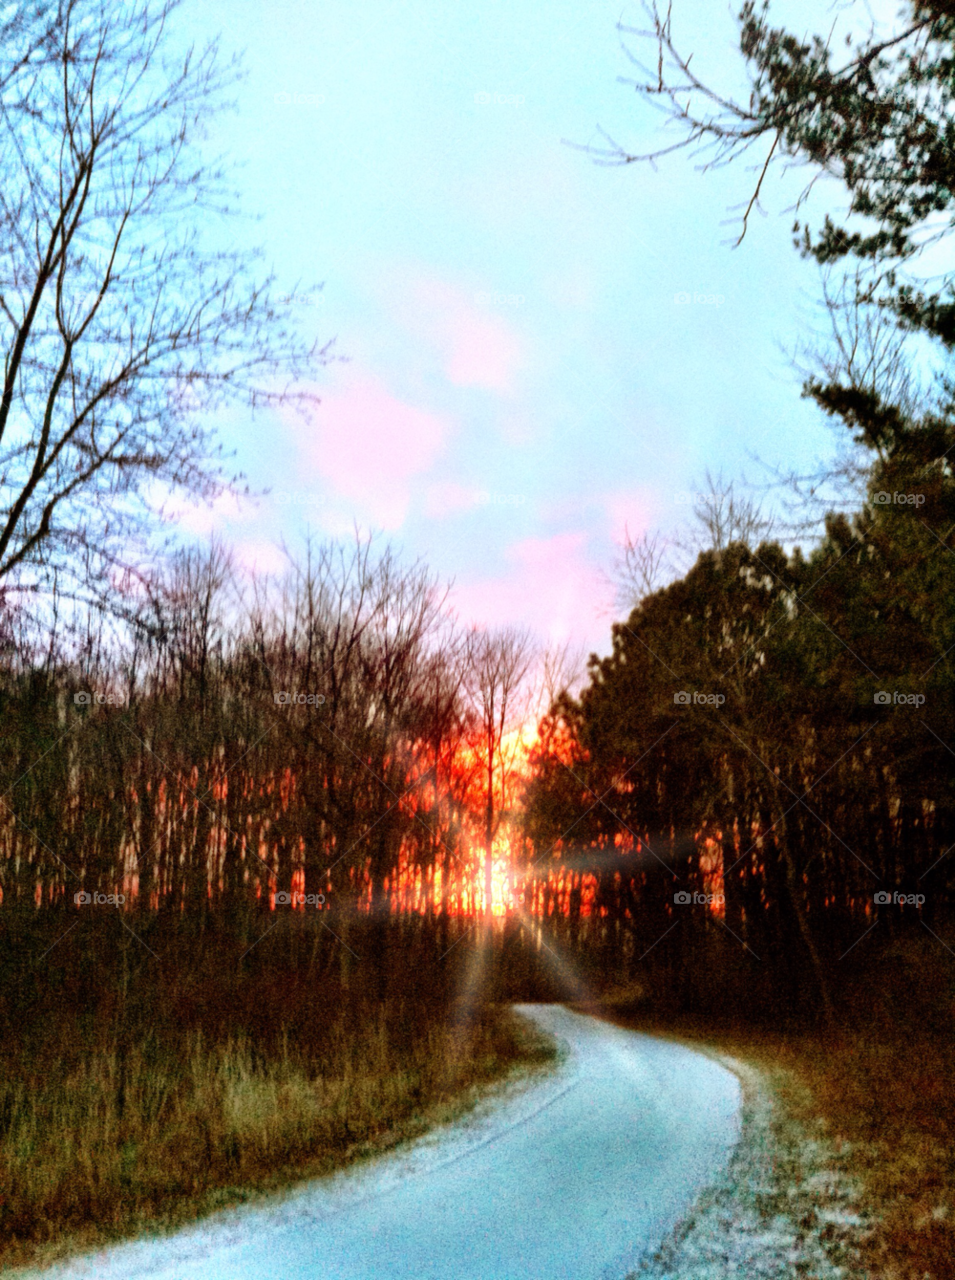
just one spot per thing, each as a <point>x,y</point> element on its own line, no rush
<point>756,786</point>
<point>773,729</point>
<point>342,740</point>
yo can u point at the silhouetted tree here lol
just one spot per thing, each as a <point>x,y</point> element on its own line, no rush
<point>120,326</point>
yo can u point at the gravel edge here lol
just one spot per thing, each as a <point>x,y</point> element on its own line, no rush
<point>784,1206</point>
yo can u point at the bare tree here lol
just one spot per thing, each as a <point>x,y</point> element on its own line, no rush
<point>640,568</point>
<point>862,354</point>
<point>119,325</point>
<point>865,348</point>
<point>27,41</point>
<point>795,92</point>
<point>497,664</point>
<point>722,517</point>
<point>562,669</point>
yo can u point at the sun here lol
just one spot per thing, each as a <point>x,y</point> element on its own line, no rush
<point>503,899</point>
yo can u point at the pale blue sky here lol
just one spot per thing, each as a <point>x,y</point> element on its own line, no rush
<point>520,380</point>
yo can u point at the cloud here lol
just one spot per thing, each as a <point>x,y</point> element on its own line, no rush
<point>260,557</point>
<point>477,343</point>
<point>482,352</point>
<point>607,516</point>
<point>368,446</point>
<point>551,586</point>
<point>204,518</point>
<point>629,512</point>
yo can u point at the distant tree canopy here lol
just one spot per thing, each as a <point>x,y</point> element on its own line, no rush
<point>776,728</point>
<point>340,736</point>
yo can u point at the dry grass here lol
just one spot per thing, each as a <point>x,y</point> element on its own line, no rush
<point>891,1101</point>
<point>100,1138</point>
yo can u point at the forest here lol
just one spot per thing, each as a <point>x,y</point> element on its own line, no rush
<point>263,829</point>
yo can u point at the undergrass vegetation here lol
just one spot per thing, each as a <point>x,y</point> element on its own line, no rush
<point>194,1083</point>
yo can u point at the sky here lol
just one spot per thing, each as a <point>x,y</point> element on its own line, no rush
<point>521,378</point>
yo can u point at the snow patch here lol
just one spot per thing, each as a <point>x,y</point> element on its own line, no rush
<point>782,1208</point>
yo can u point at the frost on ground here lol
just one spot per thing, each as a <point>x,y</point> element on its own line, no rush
<point>784,1207</point>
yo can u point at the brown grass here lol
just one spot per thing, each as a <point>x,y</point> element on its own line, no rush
<point>103,1136</point>
<point>891,1098</point>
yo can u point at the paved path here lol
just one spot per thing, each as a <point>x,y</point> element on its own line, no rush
<point>569,1178</point>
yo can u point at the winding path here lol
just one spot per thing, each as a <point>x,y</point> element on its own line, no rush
<point>573,1177</point>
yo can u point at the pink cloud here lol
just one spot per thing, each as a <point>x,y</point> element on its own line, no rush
<point>607,515</point>
<point>551,587</point>
<point>478,344</point>
<point>482,352</point>
<point>368,446</point>
<point>258,556</point>
<point>201,518</point>
<point>629,512</point>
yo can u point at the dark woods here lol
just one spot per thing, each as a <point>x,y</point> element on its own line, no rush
<point>307,784</point>
<point>777,730</point>
<point>252,831</point>
<point>774,731</point>
<point>242,849</point>
<point>720,814</point>
<point>312,753</point>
